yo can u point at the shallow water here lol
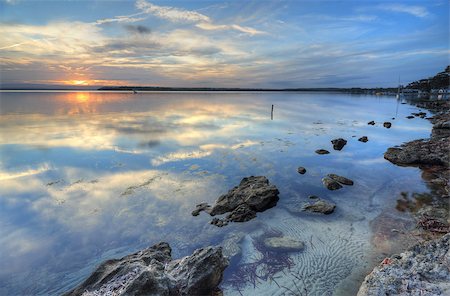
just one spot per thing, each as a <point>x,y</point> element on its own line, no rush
<point>88,176</point>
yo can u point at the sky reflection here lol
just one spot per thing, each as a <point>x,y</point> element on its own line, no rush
<point>90,176</point>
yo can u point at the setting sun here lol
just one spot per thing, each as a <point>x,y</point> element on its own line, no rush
<point>78,82</point>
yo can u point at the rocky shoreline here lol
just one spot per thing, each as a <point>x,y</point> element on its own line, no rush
<point>152,271</point>
<point>425,268</point>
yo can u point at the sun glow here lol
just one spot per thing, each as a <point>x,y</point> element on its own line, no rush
<point>79,82</point>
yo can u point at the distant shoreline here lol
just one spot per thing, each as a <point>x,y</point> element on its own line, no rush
<point>384,91</point>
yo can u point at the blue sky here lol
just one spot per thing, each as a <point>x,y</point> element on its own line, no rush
<point>223,43</point>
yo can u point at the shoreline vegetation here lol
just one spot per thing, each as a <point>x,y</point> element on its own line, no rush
<point>422,270</point>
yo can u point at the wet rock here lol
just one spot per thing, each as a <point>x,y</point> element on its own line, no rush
<point>320,206</point>
<point>338,144</point>
<point>254,194</point>
<point>340,179</point>
<point>301,170</point>
<point>423,270</point>
<point>387,124</point>
<point>410,117</point>
<point>431,152</point>
<point>331,184</point>
<point>219,222</point>
<point>201,207</point>
<point>242,213</point>
<point>322,151</point>
<point>284,243</point>
<point>153,272</point>
<point>363,139</point>
<point>371,122</point>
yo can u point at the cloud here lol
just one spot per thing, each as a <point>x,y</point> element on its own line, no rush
<point>180,15</point>
<point>120,19</point>
<point>210,26</point>
<point>171,13</point>
<point>138,29</point>
<point>418,11</point>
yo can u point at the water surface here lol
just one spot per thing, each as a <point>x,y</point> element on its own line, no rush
<point>88,176</point>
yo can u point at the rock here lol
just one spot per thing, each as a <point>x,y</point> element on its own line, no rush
<point>322,151</point>
<point>254,194</point>
<point>387,124</point>
<point>219,222</point>
<point>341,179</point>
<point>153,272</point>
<point>331,184</point>
<point>201,207</point>
<point>284,243</point>
<point>320,206</point>
<point>371,122</point>
<point>418,152</point>
<point>338,144</point>
<point>423,270</point>
<point>242,213</point>
<point>301,170</point>
<point>410,117</point>
<point>363,139</point>
<point>313,197</point>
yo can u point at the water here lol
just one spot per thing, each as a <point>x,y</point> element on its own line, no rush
<point>89,176</point>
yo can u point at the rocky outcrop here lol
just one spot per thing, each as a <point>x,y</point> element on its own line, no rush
<point>423,270</point>
<point>433,151</point>
<point>320,206</point>
<point>418,152</point>
<point>153,272</point>
<point>338,144</point>
<point>254,194</point>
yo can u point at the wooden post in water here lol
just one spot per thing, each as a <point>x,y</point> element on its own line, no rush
<point>271,114</point>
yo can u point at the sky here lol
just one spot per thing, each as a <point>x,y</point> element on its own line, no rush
<point>270,44</point>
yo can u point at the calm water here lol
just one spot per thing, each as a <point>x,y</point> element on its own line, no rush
<point>86,177</point>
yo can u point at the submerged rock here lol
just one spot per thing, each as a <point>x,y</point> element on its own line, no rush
<point>331,184</point>
<point>387,124</point>
<point>338,144</point>
<point>371,122</point>
<point>254,194</point>
<point>423,270</point>
<point>320,206</point>
<point>301,170</point>
<point>153,272</point>
<point>322,151</point>
<point>363,139</point>
<point>284,243</point>
<point>340,179</point>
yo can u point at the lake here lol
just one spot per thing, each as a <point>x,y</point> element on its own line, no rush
<point>90,176</point>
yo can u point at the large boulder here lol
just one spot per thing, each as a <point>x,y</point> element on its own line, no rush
<point>153,272</point>
<point>253,194</point>
<point>423,270</point>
